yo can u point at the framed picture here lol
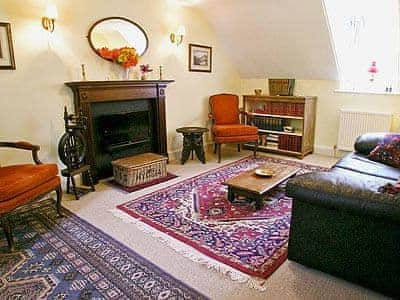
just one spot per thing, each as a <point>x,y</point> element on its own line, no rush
<point>200,58</point>
<point>6,47</point>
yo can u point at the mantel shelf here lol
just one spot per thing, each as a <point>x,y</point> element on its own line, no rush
<point>117,82</point>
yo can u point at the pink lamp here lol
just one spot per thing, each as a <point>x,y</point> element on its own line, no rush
<point>373,70</point>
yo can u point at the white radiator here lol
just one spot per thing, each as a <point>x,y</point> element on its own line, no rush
<point>355,123</point>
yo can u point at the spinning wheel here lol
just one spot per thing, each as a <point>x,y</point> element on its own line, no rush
<point>72,151</point>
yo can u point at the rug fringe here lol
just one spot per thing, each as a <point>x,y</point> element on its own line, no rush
<point>192,254</point>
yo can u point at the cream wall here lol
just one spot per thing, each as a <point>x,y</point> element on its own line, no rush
<point>32,97</point>
<point>328,104</point>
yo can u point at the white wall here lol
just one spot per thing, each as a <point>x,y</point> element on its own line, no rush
<point>328,104</point>
<point>32,97</point>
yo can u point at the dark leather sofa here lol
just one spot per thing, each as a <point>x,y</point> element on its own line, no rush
<point>343,226</point>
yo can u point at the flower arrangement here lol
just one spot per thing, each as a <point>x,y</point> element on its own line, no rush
<point>125,56</point>
<point>145,69</point>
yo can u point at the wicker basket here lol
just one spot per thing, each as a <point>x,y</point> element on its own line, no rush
<point>138,169</point>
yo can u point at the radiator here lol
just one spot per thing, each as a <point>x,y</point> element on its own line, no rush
<point>355,123</point>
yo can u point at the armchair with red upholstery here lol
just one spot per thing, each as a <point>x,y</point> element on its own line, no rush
<point>226,126</point>
<point>23,183</point>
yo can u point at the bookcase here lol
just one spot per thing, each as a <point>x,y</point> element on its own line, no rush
<point>285,123</point>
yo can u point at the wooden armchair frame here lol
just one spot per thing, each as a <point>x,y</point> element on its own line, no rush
<point>5,216</point>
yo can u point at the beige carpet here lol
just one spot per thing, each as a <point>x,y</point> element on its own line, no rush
<point>290,281</point>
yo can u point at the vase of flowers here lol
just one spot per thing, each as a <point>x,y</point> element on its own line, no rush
<point>126,57</point>
<point>144,69</point>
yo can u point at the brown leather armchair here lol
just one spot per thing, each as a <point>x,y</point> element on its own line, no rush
<point>226,126</point>
<point>23,183</point>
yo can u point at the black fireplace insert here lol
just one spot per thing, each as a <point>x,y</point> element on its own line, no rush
<point>122,129</point>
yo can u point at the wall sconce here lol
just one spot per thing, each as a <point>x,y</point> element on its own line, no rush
<point>177,38</point>
<point>49,18</point>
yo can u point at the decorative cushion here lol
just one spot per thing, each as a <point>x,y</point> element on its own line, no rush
<point>388,151</point>
<point>389,188</point>
<point>234,130</point>
<point>18,179</point>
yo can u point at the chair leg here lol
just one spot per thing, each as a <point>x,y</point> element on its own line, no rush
<point>238,147</point>
<point>74,188</point>
<point>58,202</point>
<point>215,148</point>
<point>219,152</point>
<point>255,149</point>
<point>90,180</point>
<point>8,233</point>
<point>68,183</point>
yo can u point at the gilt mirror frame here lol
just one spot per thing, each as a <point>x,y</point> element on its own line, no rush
<point>115,18</point>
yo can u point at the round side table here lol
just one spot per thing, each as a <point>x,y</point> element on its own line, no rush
<point>192,142</point>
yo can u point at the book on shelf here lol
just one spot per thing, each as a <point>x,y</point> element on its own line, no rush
<point>272,145</point>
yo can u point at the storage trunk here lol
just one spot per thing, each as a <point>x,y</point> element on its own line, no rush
<point>138,169</point>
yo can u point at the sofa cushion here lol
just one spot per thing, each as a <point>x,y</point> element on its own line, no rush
<point>361,164</point>
<point>388,151</point>
<point>18,179</point>
<point>234,130</point>
<point>347,190</point>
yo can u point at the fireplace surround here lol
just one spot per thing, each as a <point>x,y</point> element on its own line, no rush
<point>124,118</point>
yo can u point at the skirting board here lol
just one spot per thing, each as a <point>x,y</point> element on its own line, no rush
<point>318,149</point>
<point>328,151</point>
<point>324,150</point>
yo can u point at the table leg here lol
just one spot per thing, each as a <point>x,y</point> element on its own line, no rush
<point>199,148</point>
<point>259,203</point>
<point>186,149</point>
<point>231,195</point>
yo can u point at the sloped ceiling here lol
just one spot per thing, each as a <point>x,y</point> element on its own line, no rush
<point>273,38</point>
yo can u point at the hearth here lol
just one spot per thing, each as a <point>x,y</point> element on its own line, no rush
<point>125,118</point>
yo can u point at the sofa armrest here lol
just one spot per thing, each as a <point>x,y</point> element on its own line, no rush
<point>345,190</point>
<point>365,143</point>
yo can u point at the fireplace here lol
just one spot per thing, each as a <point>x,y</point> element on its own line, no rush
<point>125,118</point>
<point>121,129</point>
<point>124,130</point>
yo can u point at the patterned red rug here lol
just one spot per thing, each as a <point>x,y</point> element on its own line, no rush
<point>211,204</point>
<point>254,242</point>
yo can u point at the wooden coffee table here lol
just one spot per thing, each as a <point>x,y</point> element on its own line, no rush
<point>254,187</point>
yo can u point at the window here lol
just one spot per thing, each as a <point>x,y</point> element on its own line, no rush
<point>364,32</point>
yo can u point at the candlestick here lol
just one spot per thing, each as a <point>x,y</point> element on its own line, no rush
<point>83,72</point>
<point>161,72</point>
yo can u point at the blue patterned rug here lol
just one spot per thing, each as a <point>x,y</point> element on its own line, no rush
<point>67,258</point>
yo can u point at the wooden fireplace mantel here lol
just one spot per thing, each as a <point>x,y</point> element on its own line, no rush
<point>87,93</point>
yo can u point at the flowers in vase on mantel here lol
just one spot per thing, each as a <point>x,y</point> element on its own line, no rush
<point>145,69</point>
<point>125,56</point>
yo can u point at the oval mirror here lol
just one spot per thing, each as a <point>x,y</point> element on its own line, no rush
<point>115,33</point>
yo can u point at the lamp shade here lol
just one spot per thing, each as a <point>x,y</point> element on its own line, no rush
<point>181,30</point>
<point>51,11</point>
